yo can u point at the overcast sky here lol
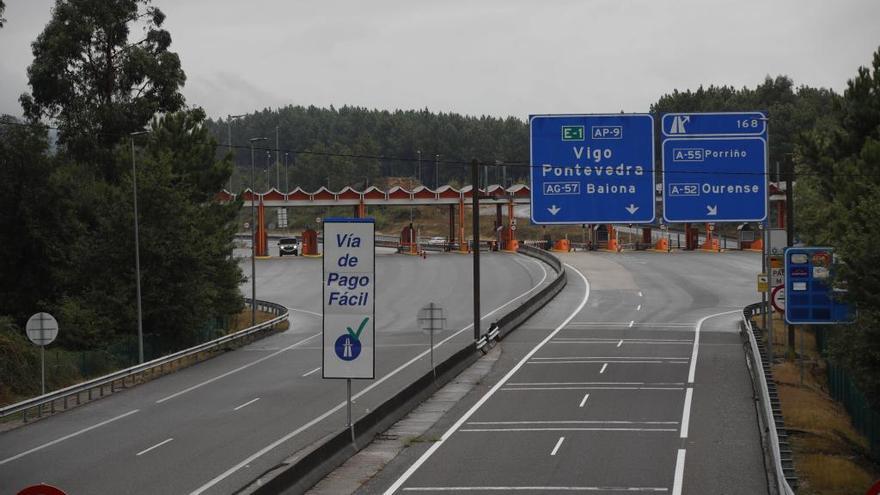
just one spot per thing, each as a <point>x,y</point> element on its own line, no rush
<point>493,57</point>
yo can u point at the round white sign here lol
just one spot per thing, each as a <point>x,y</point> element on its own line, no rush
<point>42,328</point>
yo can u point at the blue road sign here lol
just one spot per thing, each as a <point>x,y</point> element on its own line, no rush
<point>715,167</point>
<point>810,298</point>
<point>592,168</point>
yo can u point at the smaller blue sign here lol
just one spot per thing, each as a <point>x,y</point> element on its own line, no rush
<point>715,179</point>
<point>714,124</point>
<point>810,297</point>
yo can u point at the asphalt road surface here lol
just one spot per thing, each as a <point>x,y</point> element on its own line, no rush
<point>215,427</point>
<point>632,380</point>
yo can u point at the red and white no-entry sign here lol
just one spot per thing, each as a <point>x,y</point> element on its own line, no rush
<point>777,298</point>
<point>41,489</point>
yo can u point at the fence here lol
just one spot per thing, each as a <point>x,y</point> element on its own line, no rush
<point>864,418</point>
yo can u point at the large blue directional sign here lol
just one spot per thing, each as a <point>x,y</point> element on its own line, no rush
<point>714,167</point>
<point>810,298</point>
<point>592,168</point>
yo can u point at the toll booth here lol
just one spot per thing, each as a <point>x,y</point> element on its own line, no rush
<point>408,240</point>
<point>747,236</point>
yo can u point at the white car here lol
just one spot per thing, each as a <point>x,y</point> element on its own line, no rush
<point>437,241</point>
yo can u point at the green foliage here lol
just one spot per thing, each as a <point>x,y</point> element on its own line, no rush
<point>2,8</point>
<point>358,132</point>
<point>19,362</point>
<point>838,195</point>
<point>97,82</point>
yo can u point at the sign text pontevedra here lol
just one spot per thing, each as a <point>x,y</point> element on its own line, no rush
<point>349,289</point>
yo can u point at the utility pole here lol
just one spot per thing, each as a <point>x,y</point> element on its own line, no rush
<point>277,165</point>
<point>229,119</point>
<point>475,194</point>
<point>789,229</point>
<point>254,234</point>
<point>437,172</point>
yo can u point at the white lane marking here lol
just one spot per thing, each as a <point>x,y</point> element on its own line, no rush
<point>246,404</point>
<point>648,323</point>
<point>631,323</point>
<point>236,370</point>
<point>627,489</point>
<point>558,444</point>
<point>620,343</point>
<point>679,473</point>
<point>639,342</point>
<point>513,384</point>
<point>610,358</point>
<point>640,294</point>
<point>584,400</point>
<point>436,445</point>
<point>576,422</point>
<point>686,414</point>
<point>508,389</point>
<point>66,437</point>
<point>603,368</point>
<point>163,442</point>
<point>513,430</point>
<point>222,476</point>
<point>607,361</point>
<point>312,372</point>
<point>639,307</point>
<point>697,328</point>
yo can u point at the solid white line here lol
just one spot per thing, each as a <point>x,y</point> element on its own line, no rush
<point>360,394</point>
<point>610,358</point>
<point>246,404</point>
<point>606,361</point>
<point>312,372</point>
<point>627,489</point>
<point>620,343</point>
<point>558,444</point>
<point>508,430</point>
<point>236,370</point>
<point>436,445</point>
<point>584,400</point>
<point>603,368</point>
<point>514,384</point>
<point>686,413</point>
<point>163,442</point>
<point>509,389</point>
<point>699,325</point>
<point>577,422</point>
<point>631,323</point>
<point>65,437</point>
<point>679,473</point>
<point>639,307</point>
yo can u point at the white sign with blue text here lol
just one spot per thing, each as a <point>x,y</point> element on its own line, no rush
<point>349,289</point>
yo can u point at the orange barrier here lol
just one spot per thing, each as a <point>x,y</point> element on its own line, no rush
<point>662,244</point>
<point>512,245</point>
<point>612,245</point>
<point>309,243</point>
<point>757,245</point>
<point>562,246</point>
<point>710,245</point>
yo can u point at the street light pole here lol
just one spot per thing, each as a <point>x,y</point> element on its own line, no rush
<point>436,172</point>
<point>286,175</point>
<point>254,234</point>
<point>229,141</point>
<point>137,250</point>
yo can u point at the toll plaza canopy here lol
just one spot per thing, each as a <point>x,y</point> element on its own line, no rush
<point>444,195</point>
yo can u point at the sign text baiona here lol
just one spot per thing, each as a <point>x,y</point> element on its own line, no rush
<point>349,289</point>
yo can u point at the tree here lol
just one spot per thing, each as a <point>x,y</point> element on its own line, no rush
<point>97,83</point>
<point>840,166</point>
<point>2,8</point>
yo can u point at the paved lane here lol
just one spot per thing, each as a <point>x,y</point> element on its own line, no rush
<point>214,427</point>
<point>643,389</point>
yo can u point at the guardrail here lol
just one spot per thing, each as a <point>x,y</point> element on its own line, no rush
<point>322,458</point>
<point>60,399</point>
<point>782,475</point>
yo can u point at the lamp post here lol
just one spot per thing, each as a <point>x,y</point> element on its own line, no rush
<point>436,172</point>
<point>137,249</point>
<point>254,234</point>
<point>229,140</point>
<point>419,171</point>
<point>268,181</point>
<point>286,176</point>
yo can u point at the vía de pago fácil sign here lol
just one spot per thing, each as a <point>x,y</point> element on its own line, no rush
<point>349,289</point>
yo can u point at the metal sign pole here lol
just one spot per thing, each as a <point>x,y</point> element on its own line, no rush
<point>431,332</point>
<point>475,181</point>
<point>350,424</point>
<point>43,370</point>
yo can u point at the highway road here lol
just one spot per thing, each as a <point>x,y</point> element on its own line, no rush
<point>632,380</point>
<point>214,427</point>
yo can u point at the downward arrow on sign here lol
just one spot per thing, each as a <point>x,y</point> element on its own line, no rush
<point>553,210</point>
<point>713,210</point>
<point>632,209</point>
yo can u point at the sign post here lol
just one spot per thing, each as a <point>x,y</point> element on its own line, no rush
<point>42,328</point>
<point>592,168</point>
<point>349,288</point>
<point>715,167</point>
